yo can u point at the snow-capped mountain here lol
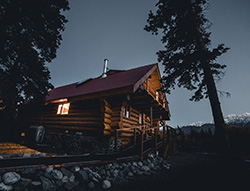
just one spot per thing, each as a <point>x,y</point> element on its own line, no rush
<point>233,119</point>
<point>240,120</point>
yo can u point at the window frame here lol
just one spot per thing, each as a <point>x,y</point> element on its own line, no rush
<point>140,119</point>
<point>63,109</point>
<point>126,111</point>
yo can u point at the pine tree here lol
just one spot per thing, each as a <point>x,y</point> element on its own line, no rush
<point>188,59</point>
<point>30,34</point>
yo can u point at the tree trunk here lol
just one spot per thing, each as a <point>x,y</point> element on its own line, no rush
<point>220,127</point>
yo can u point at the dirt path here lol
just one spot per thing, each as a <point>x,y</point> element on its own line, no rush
<point>194,171</point>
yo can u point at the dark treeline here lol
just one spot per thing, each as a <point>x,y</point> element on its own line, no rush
<point>239,139</point>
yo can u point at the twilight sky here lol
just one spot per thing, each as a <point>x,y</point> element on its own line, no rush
<point>113,29</point>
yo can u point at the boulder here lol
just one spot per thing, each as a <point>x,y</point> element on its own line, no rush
<point>66,172</point>
<point>165,164</point>
<point>36,183</point>
<point>151,165</point>
<point>132,168</point>
<point>92,177</point>
<point>26,155</point>
<point>49,169</point>
<point>115,173</point>
<point>139,172</point>
<point>103,172</point>
<point>11,178</point>
<point>72,178</point>
<point>115,165</point>
<point>22,184</point>
<point>59,183</point>
<point>135,164</point>
<point>28,171</point>
<point>91,185</point>
<point>65,179</point>
<point>145,162</point>
<point>48,175</point>
<point>4,187</point>
<point>96,175</point>
<point>108,173</point>
<point>130,174</point>
<point>38,154</point>
<point>121,174</point>
<point>126,170</point>
<point>57,174</point>
<point>87,169</point>
<point>145,168</point>
<point>75,169</point>
<point>140,164</point>
<point>43,155</point>
<point>82,176</point>
<point>71,185</point>
<point>107,166</point>
<point>47,185</point>
<point>106,184</point>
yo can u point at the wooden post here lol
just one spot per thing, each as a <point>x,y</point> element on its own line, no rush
<point>169,139</point>
<point>164,137</point>
<point>156,131</point>
<point>168,142</point>
<point>151,116</point>
<point>134,136</point>
<point>116,140</point>
<point>141,151</point>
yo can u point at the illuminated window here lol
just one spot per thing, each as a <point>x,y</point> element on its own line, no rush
<point>63,109</point>
<point>140,118</point>
<point>126,111</point>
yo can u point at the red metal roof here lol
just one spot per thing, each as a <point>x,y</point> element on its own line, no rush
<point>118,80</point>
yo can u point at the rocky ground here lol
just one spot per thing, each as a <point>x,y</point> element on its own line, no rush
<point>81,178</point>
<point>185,170</point>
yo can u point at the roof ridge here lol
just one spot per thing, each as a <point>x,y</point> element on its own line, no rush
<point>122,79</point>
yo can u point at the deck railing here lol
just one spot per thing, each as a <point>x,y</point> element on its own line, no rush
<point>146,133</point>
<point>153,91</point>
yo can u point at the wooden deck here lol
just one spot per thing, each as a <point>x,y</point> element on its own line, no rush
<point>146,139</point>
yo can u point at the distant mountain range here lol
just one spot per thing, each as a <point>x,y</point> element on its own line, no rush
<point>233,119</point>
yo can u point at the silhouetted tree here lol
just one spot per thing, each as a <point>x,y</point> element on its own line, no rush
<point>188,58</point>
<point>30,34</point>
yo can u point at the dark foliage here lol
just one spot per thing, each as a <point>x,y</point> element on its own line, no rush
<point>201,141</point>
<point>187,41</point>
<point>239,140</point>
<point>30,34</point>
<point>188,58</point>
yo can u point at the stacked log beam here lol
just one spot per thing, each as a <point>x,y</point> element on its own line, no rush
<point>83,116</point>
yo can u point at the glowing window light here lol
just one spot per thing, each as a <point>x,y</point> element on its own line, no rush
<point>59,109</point>
<point>63,109</point>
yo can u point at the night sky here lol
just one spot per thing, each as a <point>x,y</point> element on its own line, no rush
<point>113,29</point>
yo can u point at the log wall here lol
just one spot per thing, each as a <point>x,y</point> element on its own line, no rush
<point>106,112</point>
<point>83,116</point>
<point>96,117</point>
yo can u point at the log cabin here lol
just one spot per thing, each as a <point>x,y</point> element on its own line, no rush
<point>96,107</point>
